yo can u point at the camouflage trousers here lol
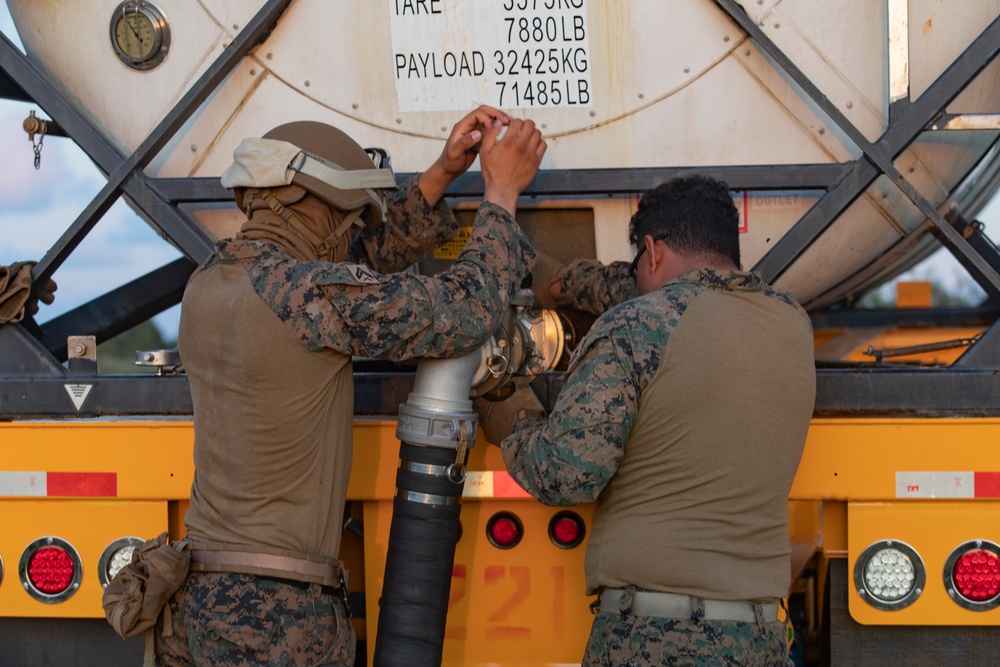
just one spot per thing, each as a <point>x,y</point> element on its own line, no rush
<point>623,638</point>
<point>227,619</point>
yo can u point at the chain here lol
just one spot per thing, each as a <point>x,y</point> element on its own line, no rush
<point>37,148</point>
<point>33,126</point>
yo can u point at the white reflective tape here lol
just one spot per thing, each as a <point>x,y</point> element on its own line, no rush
<point>23,484</point>
<point>492,484</point>
<point>478,484</point>
<point>954,484</point>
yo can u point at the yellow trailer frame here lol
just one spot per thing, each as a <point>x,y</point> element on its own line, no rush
<point>524,605</point>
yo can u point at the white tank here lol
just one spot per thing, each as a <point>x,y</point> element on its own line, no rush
<point>613,84</point>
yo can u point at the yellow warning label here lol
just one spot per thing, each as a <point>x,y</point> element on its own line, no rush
<point>451,249</point>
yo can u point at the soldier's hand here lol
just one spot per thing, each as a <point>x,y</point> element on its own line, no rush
<point>544,275</point>
<point>510,162</point>
<point>498,412</point>
<point>463,144</point>
<point>460,150</point>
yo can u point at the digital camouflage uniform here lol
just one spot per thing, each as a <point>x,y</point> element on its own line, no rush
<point>586,451</point>
<point>267,341</point>
<point>626,639</point>
<point>595,287</point>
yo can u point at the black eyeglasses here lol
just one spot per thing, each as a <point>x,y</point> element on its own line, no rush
<point>635,262</point>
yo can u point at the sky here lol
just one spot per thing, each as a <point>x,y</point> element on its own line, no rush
<point>39,205</point>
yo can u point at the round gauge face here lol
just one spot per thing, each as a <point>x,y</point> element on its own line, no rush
<point>140,34</point>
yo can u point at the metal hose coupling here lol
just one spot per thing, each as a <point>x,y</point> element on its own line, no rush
<point>438,412</point>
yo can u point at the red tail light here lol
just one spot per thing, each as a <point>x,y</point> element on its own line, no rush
<point>50,570</point>
<point>972,575</point>
<point>504,530</point>
<point>567,530</point>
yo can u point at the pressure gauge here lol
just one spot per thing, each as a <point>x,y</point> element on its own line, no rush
<point>140,34</point>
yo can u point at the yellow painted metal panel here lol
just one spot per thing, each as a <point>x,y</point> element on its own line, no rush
<point>933,529</point>
<point>857,459</point>
<point>834,529</point>
<point>87,525</point>
<point>804,531</point>
<point>152,460</point>
<point>523,605</point>
<point>376,457</point>
<point>914,294</point>
<point>894,338</point>
<point>844,460</point>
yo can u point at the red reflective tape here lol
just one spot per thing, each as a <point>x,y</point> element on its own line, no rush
<point>87,484</point>
<point>504,486</point>
<point>744,223</point>
<point>987,485</point>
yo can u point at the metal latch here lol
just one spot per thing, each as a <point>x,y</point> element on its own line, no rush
<point>165,361</point>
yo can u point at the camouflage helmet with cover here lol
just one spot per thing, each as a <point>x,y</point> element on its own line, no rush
<point>328,163</point>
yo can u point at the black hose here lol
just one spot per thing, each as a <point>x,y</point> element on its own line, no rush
<point>423,534</point>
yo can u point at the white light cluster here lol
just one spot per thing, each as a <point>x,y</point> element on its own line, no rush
<point>889,575</point>
<point>121,558</point>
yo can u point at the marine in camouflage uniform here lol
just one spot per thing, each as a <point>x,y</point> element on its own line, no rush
<point>683,415</point>
<point>268,330</point>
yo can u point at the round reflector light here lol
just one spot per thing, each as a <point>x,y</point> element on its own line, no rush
<point>977,575</point>
<point>50,570</point>
<point>566,529</point>
<point>889,575</point>
<point>115,556</point>
<point>504,530</point>
<point>972,575</point>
